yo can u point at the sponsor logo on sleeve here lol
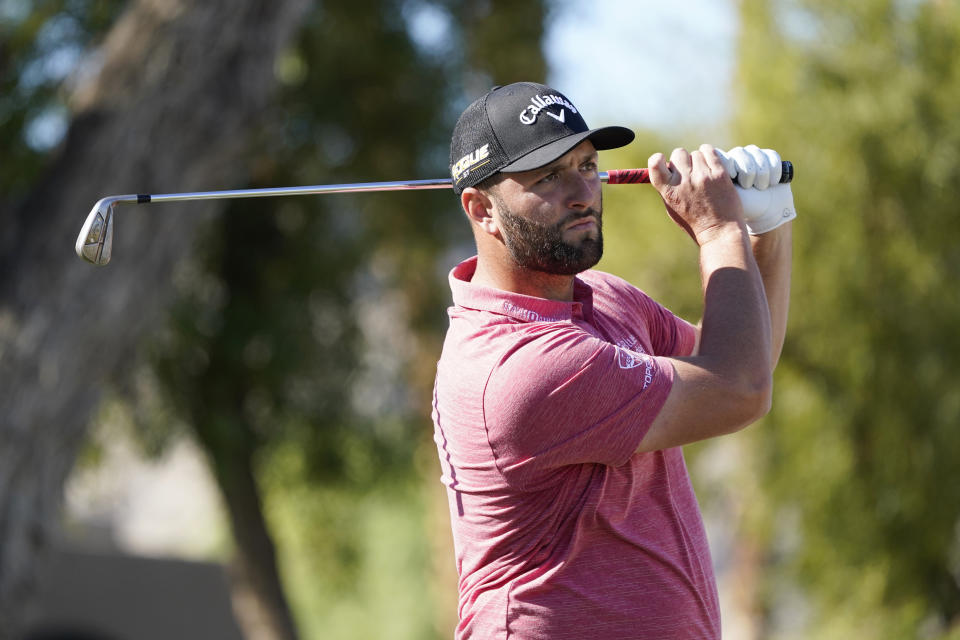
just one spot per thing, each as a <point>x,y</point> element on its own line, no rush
<point>630,355</point>
<point>627,359</point>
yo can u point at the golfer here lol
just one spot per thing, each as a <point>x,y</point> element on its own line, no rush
<point>563,394</point>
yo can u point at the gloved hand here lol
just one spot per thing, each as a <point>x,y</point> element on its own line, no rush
<point>765,207</point>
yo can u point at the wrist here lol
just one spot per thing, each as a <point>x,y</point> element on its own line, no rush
<point>774,237</point>
<point>726,231</point>
<point>768,246</point>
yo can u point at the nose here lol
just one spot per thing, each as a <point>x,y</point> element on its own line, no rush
<point>581,190</point>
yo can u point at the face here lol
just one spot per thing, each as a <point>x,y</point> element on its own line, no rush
<point>550,218</point>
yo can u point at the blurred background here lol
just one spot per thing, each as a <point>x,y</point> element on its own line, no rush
<point>225,433</point>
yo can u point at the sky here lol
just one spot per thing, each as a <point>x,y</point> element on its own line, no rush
<point>645,63</point>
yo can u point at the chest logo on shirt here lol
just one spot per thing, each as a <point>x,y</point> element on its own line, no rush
<point>527,314</point>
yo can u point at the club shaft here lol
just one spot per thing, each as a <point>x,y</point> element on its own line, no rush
<point>621,176</point>
<point>402,185</point>
<point>356,187</point>
<point>95,241</point>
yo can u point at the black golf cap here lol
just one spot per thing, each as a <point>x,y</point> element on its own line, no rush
<point>519,127</point>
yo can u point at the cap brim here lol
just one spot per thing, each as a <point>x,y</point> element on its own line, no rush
<point>602,139</point>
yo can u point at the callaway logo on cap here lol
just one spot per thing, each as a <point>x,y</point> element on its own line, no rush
<point>519,127</point>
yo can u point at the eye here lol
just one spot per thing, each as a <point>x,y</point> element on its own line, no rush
<point>589,166</point>
<point>548,178</point>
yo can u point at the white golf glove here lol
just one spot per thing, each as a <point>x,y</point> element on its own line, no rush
<point>767,204</point>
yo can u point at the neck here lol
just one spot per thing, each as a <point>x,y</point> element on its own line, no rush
<point>516,279</point>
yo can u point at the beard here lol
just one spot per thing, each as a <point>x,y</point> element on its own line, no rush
<point>541,247</point>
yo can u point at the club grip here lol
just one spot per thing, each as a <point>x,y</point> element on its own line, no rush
<point>642,176</point>
<point>628,176</point>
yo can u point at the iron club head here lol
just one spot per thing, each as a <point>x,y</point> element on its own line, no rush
<point>95,242</point>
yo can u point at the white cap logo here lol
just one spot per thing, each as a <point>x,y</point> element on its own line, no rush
<point>540,103</point>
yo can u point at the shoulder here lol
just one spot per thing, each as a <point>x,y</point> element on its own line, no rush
<point>612,293</point>
<point>606,283</point>
<point>542,364</point>
<point>510,358</point>
<point>541,346</point>
<point>544,350</point>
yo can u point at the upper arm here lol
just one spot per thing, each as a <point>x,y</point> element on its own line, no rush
<point>703,404</point>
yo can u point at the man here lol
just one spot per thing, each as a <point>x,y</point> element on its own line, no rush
<point>563,395</point>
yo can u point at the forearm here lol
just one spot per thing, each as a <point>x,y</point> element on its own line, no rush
<point>773,253</point>
<point>725,386</point>
<point>735,330</point>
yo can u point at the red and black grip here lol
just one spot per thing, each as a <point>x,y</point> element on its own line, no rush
<point>628,176</point>
<point>642,176</point>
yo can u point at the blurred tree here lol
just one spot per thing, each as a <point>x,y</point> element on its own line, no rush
<point>859,505</point>
<point>292,296</point>
<point>501,42</point>
<point>167,101</point>
<point>302,350</point>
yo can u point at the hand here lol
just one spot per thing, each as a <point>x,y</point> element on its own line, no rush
<point>765,207</point>
<point>696,190</point>
<point>752,166</point>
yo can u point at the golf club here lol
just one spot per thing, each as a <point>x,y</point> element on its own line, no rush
<point>95,242</point>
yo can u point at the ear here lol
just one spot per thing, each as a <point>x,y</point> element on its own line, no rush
<point>479,209</point>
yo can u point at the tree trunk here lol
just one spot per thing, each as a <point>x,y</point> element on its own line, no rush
<point>180,85</point>
<point>262,609</point>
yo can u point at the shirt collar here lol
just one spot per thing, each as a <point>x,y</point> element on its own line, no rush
<point>514,305</point>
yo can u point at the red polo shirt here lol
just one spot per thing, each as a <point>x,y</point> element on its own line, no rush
<point>560,529</point>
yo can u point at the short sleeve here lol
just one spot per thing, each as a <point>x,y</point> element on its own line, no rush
<point>566,397</point>
<point>669,334</point>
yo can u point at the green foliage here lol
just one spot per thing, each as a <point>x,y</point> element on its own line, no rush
<point>863,440</point>
<point>502,40</point>
<point>349,552</point>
